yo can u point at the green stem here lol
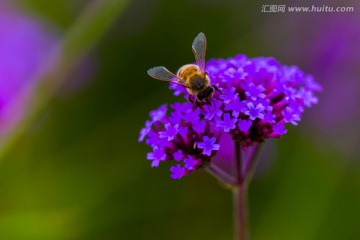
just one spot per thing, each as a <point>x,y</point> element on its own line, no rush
<point>240,197</point>
<point>240,213</point>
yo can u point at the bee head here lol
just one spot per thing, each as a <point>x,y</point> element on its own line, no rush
<point>206,95</point>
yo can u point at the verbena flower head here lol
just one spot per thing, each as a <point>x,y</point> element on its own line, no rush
<point>258,98</point>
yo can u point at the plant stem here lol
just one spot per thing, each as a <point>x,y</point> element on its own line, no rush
<point>240,213</point>
<point>238,161</point>
<point>244,169</point>
<point>251,164</point>
<point>221,175</point>
<point>240,196</point>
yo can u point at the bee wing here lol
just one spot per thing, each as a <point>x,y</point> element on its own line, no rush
<point>199,48</point>
<point>163,74</point>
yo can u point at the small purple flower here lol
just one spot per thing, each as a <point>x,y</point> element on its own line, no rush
<point>199,126</point>
<point>170,132</point>
<point>154,140</point>
<point>290,116</point>
<point>308,97</point>
<point>190,163</point>
<point>244,125</point>
<point>227,124</point>
<point>175,118</point>
<point>236,107</point>
<point>229,95</point>
<point>178,155</point>
<point>183,131</point>
<point>208,145</point>
<point>215,110</point>
<point>279,129</point>
<point>159,113</point>
<point>255,112</point>
<point>233,73</point>
<point>269,116</point>
<point>144,131</point>
<point>177,172</point>
<point>156,156</point>
<point>177,89</point>
<point>254,92</point>
<point>190,115</point>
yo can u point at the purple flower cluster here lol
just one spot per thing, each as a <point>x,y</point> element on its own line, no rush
<point>258,97</point>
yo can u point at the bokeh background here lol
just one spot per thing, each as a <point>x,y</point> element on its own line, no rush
<point>75,95</point>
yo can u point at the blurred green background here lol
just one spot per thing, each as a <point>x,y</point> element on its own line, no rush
<point>76,171</point>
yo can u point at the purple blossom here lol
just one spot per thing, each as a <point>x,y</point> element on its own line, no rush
<point>178,155</point>
<point>269,116</point>
<point>154,139</point>
<point>244,125</point>
<point>144,131</point>
<point>229,95</point>
<point>290,116</point>
<point>156,156</point>
<point>233,73</point>
<point>208,145</point>
<point>227,124</point>
<point>308,97</point>
<point>255,112</point>
<point>215,110</point>
<point>183,131</point>
<point>250,109</point>
<point>254,92</point>
<point>177,89</point>
<point>175,117</point>
<point>190,163</point>
<point>177,172</point>
<point>170,132</point>
<point>191,115</point>
<point>159,113</point>
<point>199,126</point>
<point>279,129</point>
<point>236,107</point>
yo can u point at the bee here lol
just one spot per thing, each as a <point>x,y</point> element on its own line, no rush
<point>191,76</point>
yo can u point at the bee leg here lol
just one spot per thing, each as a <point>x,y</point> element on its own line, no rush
<point>191,100</point>
<point>213,101</point>
<point>199,105</point>
<point>217,89</point>
<point>207,104</point>
<point>196,102</point>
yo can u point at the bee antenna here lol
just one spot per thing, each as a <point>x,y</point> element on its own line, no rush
<point>208,104</point>
<point>217,89</point>
<point>209,108</point>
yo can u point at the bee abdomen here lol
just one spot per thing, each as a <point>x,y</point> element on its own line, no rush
<point>187,70</point>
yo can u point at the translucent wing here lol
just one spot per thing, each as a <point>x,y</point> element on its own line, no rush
<point>161,73</point>
<point>199,49</point>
